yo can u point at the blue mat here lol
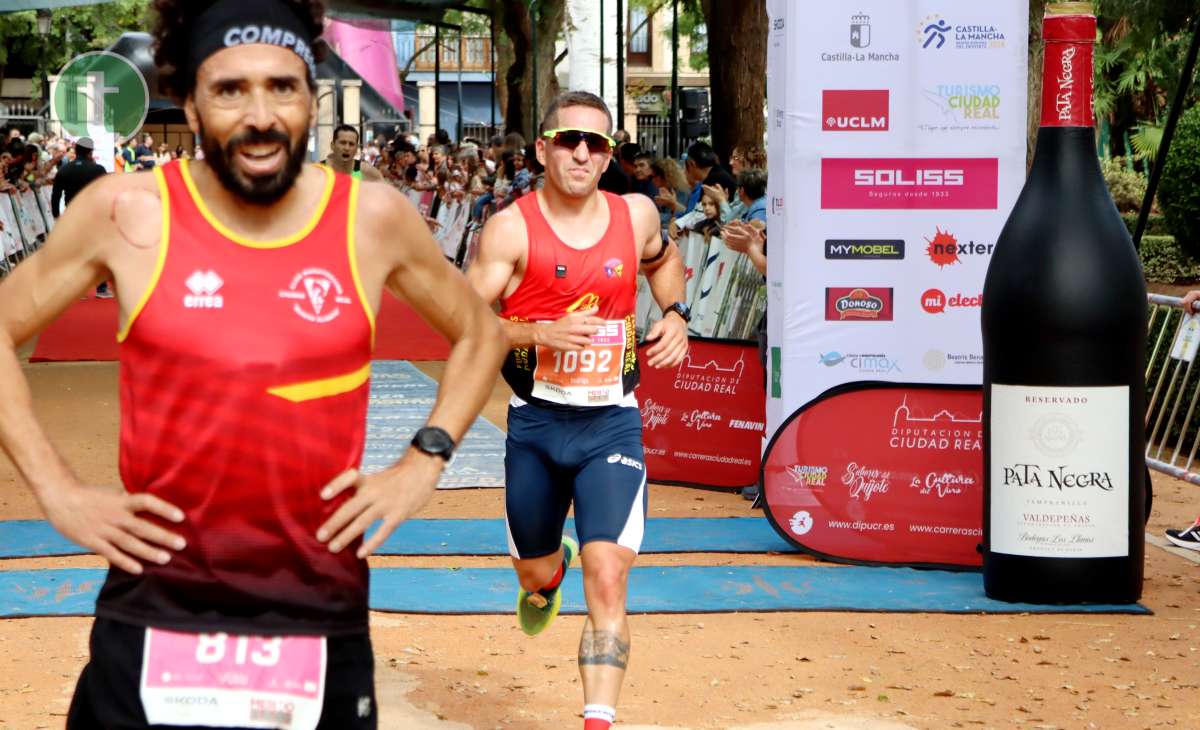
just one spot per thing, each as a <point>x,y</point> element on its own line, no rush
<point>35,538</point>
<point>683,589</point>
<point>401,398</point>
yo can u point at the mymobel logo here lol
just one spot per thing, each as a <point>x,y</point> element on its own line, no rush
<point>909,183</point>
<point>864,248</point>
<point>854,110</point>
<point>99,95</point>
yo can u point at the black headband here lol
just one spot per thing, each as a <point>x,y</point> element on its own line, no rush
<point>230,23</point>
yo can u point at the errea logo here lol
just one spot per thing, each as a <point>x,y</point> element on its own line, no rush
<point>203,287</point>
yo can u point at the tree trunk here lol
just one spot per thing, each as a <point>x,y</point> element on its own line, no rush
<point>737,62</point>
<point>515,17</point>
<point>519,76</point>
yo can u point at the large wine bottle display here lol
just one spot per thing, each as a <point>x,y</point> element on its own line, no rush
<point>1064,336</point>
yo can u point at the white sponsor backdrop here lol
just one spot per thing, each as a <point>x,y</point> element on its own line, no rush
<point>895,126</point>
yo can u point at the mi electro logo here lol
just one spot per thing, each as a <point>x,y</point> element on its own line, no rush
<point>909,183</point>
<point>865,249</point>
<point>854,110</point>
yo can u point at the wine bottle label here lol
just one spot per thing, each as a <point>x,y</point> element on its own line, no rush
<point>1067,74</point>
<point>1060,471</point>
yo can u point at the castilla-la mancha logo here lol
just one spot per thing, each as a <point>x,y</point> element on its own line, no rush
<point>317,295</point>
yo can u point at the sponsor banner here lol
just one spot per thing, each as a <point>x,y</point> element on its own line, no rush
<point>854,110</point>
<point>703,422</point>
<point>864,249</point>
<point>881,475</point>
<point>902,183</point>
<point>858,304</point>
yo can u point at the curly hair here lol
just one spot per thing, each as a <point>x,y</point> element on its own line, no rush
<point>173,24</point>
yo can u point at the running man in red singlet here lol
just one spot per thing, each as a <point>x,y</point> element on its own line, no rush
<point>248,285</point>
<point>564,262</point>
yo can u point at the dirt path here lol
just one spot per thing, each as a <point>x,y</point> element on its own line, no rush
<point>787,671</point>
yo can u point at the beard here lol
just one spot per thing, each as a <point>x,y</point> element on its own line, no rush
<point>259,189</point>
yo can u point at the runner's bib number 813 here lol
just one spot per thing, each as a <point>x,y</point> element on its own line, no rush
<point>226,680</point>
<point>587,377</point>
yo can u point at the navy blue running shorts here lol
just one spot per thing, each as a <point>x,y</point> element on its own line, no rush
<point>590,457</point>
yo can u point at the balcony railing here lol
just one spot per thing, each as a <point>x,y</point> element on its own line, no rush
<point>474,50</point>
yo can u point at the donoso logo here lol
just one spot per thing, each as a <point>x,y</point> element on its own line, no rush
<point>904,183</point>
<point>872,304</point>
<point>854,110</point>
<point>934,301</point>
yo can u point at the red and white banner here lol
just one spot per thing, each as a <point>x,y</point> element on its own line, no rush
<point>702,422</point>
<point>886,475</point>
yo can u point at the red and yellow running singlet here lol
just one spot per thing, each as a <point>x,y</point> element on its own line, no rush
<point>244,379</point>
<point>559,280</point>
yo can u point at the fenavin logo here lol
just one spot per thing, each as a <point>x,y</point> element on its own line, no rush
<point>854,110</point>
<point>855,249</point>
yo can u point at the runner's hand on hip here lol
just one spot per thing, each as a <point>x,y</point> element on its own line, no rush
<point>105,520</point>
<point>390,496</point>
<point>573,332</point>
<point>672,342</point>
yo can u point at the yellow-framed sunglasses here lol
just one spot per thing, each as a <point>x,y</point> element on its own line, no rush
<point>597,143</point>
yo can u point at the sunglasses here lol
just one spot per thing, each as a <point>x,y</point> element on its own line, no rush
<point>597,143</point>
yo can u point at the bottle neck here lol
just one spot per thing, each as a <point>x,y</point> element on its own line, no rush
<point>1067,71</point>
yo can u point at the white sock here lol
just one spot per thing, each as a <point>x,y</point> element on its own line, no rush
<point>599,712</point>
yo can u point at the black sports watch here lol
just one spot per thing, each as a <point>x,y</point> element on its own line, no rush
<point>435,442</point>
<point>680,308</point>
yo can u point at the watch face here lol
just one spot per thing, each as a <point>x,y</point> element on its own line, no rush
<point>434,441</point>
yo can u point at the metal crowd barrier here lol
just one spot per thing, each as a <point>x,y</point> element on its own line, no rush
<point>1172,435</point>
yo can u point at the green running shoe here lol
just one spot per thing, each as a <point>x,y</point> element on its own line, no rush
<point>536,610</point>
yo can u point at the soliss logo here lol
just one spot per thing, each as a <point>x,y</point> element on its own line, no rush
<point>895,178</point>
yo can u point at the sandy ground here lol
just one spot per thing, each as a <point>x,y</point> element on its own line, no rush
<point>790,671</point>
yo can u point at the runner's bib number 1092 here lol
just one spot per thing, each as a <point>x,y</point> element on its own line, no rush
<point>587,377</point>
<point>226,680</point>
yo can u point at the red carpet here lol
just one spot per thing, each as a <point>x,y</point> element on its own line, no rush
<point>87,331</point>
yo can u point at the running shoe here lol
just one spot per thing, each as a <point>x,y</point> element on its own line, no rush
<point>1188,539</point>
<point>536,610</point>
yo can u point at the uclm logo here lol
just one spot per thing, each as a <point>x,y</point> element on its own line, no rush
<point>854,110</point>
<point>909,183</point>
<point>871,304</point>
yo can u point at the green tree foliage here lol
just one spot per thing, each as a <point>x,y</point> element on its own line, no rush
<point>1179,190</point>
<point>72,31</point>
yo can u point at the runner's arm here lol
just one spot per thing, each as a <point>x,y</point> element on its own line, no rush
<point>660,260</point>
<point>440,294</point>
<point>31,297</point>
<point>667,284</point>
<point>102,519</point>
<point>501,243</point>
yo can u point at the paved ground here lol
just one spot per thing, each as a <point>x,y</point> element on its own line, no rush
<point>786,671</point>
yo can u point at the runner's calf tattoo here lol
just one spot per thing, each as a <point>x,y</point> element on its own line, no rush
<point>598,647</point>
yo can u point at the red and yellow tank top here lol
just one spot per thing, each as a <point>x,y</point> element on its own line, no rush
<point>560,279</point>
<point>243,386</point>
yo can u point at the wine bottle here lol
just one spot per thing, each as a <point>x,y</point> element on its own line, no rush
<point>1064,338</point>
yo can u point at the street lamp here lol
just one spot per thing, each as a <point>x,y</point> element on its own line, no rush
<point>43,28</point>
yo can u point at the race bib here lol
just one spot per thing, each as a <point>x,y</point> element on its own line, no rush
<point>226,680</point>
<point>587,377</point>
